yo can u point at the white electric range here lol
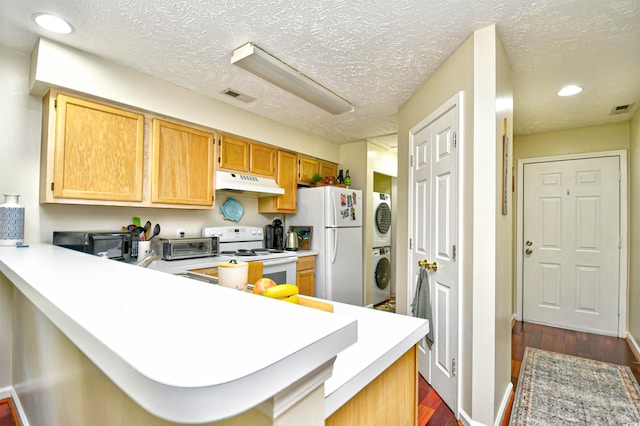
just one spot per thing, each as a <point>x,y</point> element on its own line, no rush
<point>246,243</point>
<point>242,243</point>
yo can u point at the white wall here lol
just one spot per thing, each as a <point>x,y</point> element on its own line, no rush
<point>363,159</point>
<point>600,138</point>
<point>481,71</point>
<point>454,75</point>
<point>20,121</point>
<point>634,227</point>
<point>56,383</point>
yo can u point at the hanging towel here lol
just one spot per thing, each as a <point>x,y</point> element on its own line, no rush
<point>421,306</point>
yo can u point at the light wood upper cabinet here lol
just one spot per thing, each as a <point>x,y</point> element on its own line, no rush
<point>309,166</point>
<point>234,154</point>
<point>287,179</point>
<point>263,160</point>
<point>98,151</point>
<point>328,169</point>
<point>182,164</point>
<point>246,156</point>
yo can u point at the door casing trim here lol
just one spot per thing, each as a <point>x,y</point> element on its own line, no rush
<point>624,224</point>
<point>455,100</point>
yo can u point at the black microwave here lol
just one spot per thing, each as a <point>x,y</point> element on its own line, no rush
<point>114,245</point>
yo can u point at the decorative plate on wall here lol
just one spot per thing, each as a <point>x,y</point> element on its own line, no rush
<point>232,210</point>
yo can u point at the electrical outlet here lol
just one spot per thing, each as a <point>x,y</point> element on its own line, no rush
<point>180,232</point>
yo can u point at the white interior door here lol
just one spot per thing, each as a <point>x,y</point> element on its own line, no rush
<point>434,238</point>
<point>571,244</point>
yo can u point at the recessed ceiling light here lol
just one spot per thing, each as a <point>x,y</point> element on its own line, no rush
<point>52,23</point>
<point>569,91</point>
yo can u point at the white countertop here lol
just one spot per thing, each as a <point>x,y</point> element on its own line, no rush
<point>186,351</point>
<point>382,338</point>
<point>134,322</point>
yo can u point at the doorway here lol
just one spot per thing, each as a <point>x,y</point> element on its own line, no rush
<point>572,242</point>
<point>433,228</point>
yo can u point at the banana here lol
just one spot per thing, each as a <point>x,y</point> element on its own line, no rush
<point>281,291</point>
<point>292,299</point>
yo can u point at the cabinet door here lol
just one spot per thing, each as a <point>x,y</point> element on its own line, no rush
<point>328,169</point>
<point>98,151</point>
<point>182,165</point>
<point>263,160</point>
<point>234,154</point>
<point>306,281</point>
<point>307,167</point>
<point>287,202</point>
<point>306,275</point>
<point>287,179</point>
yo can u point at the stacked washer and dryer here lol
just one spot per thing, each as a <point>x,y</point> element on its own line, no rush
<point>381,264</point>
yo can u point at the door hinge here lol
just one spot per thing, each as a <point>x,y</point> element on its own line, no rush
<point>52,186</point>
<point>455,139</point>
<point>411,160</point>
<point>453,366</point>
<point>55,103</point>
<point>453,252</point>
<point>410,244</point>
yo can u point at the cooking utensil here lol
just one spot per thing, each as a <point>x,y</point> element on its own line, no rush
<point>147,228</point>
<point>233,274</point>
<point>156,231</point>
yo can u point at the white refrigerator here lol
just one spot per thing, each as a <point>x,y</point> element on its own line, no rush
<point>336,217</point>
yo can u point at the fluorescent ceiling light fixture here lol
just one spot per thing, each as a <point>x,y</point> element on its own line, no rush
<point>266,66</point>
<point>569,91</point>
<point>52,23</point>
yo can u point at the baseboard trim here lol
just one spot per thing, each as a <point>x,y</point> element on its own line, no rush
<point>504,404</point>
<point>10,392</point>
<point>466,420</point>
<point>633,345</point>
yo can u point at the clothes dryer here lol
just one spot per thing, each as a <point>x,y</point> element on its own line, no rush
<point>381,284</point>
<point>382,220</point>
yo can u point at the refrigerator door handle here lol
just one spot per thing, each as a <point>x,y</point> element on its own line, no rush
<point>334,209</point>
<point>335,245</point>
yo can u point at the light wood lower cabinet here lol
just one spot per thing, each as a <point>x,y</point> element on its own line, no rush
<point>306,275</point>
<point>390,399</point>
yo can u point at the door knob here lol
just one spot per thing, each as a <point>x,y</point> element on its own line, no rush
<point>528,251</point>
<point>430,266</point>
<point>528,243</point>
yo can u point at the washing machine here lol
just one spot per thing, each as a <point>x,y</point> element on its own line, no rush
<point>382,220</point>
<point>381,285</point>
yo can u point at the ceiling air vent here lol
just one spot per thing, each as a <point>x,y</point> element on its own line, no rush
<point>238,96</point>
<point>621,109</point>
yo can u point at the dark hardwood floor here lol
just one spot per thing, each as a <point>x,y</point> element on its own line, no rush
<point>433,411</point>
<point>569,342</point>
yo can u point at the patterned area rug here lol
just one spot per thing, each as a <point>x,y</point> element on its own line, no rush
<point>556,389</point>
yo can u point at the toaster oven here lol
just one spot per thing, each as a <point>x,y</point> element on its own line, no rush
<point>186,248</point>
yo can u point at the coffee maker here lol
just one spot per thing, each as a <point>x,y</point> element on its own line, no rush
<point>274,235</point>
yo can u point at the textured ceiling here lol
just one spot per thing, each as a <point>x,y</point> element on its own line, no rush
<point>374,53</point>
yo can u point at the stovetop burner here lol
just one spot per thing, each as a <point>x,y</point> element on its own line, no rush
<point>251,252</point>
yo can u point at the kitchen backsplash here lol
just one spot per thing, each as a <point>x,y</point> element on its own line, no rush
<point>70,218</point>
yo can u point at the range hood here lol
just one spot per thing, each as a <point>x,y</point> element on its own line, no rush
<point>246,184</point>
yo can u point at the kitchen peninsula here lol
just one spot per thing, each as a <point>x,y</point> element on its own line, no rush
<point>94,340</point>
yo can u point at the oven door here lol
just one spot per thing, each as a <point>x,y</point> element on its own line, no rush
<point>282,270</point>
